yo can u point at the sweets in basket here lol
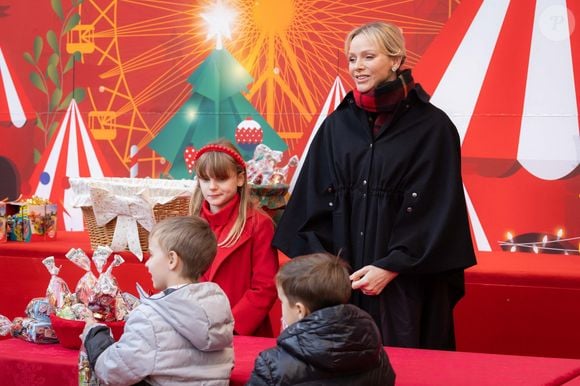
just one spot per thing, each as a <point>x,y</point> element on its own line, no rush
<point>101,299</point>
<point>120,212</point>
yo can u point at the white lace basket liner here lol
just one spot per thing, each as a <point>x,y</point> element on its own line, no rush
<point>120,212</point>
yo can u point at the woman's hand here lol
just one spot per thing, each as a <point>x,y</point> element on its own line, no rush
<point>371,280</point>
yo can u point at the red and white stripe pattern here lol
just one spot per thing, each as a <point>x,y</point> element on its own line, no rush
<point>335,96</point>
<point>14,106</point>
<point>504,71</point>
<point>71,153</point>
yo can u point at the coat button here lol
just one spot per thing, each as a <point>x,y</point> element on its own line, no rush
<point>409,209</point>
<point>362,233</point>
<point>329,190</point>
<point>364,195</point>
<point>330,204</point>
<point>414,194</point>
<point>371,145</point>
<point>364,182</point>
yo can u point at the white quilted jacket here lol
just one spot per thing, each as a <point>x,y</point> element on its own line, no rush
<point>183,338</point>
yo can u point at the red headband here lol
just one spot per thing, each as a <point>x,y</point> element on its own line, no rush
<point>222,149</point>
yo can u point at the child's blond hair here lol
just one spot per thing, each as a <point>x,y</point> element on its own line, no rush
<point>220,165</point>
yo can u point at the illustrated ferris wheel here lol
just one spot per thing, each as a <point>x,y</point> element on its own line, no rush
<point>137,56</point>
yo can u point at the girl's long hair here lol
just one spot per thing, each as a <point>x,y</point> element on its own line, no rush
<point>221,166</point>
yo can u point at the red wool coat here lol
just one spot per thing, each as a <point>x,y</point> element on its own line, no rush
<point>246,270</point>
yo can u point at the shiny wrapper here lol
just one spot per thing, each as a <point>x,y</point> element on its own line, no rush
<point>66,312</point>
<point>32,330</point>
<point>131,301</point>
<point>39,309</point>
<point>104,303</point>
<point>5,325</point>
<point>103,307</point>
<point>122,310</point>
<point>81,311</point>
<point>100,257</point>
<point>85,286</point>
<point>57,288</point>
<point>86,375</point>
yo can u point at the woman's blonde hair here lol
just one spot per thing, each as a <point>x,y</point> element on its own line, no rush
<point>216,164</point>
<point>388,37</point>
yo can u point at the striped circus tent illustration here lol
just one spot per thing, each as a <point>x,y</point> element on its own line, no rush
<point>335,96</point>
<point>15,109</point>
<point>508,75</point>
<point>71,153</point>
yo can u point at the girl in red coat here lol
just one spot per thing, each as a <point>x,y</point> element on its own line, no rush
<point>246,263</point>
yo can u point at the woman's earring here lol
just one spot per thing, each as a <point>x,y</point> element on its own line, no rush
<point>394,68</point>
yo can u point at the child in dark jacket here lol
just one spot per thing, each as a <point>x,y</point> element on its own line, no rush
<point>327,341</point>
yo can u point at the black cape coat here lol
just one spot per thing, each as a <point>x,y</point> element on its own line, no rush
<point>337,345</point>
<point>394,200</point>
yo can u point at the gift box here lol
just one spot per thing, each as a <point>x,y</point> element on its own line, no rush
<point>31,220</point>
<point>120,212</point>
<point>68,331</point>
<point>3,235</point>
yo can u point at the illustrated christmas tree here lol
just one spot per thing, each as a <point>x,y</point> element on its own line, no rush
<point>216,109</point>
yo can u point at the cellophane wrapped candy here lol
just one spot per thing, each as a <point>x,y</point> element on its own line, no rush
<point>39,309</point>
<point>85,287</point>
<point>103,304</point>
<point>5,325</point>
<point>32,330</point>
<point>86,375</point>
<point>57,288</point>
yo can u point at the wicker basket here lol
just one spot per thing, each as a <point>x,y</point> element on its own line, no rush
<point>104,235</point>
<point>171,196</point>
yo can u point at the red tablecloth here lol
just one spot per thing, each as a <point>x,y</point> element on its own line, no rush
<point>24,364</point>
<point>23,276</point>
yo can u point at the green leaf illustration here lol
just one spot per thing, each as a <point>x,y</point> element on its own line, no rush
<point>52,74</point>
<point>39,122</point>
<point>52,129</point>
<point>37,48</point>
<point>65,102</point>
<point>54,58</point>
<point>29,58</point>
<point>52,40</point>
<point>37,156</point>
<point>70,62</point>
<point>55,98</point>
<point>79,94</point>
<point>57,7</point>
<point>37,82</point>
<point>71,22</point>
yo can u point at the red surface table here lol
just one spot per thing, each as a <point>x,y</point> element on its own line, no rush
<point>515,303</point>
<point>23,363</point>
<point>521,304</point>
<point>23,276</point>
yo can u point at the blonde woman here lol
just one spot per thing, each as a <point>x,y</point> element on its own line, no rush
<point>381,187</point>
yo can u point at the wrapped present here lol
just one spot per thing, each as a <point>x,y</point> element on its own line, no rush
<point>32,330</point>
<point>57,289</point>
<point>85,286</point>
<point>120,212</point>
<point>103,303</point>
<point>39,309</point>
<point>3,234</point>
<point>31,219</point>
<point>5,325</point>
